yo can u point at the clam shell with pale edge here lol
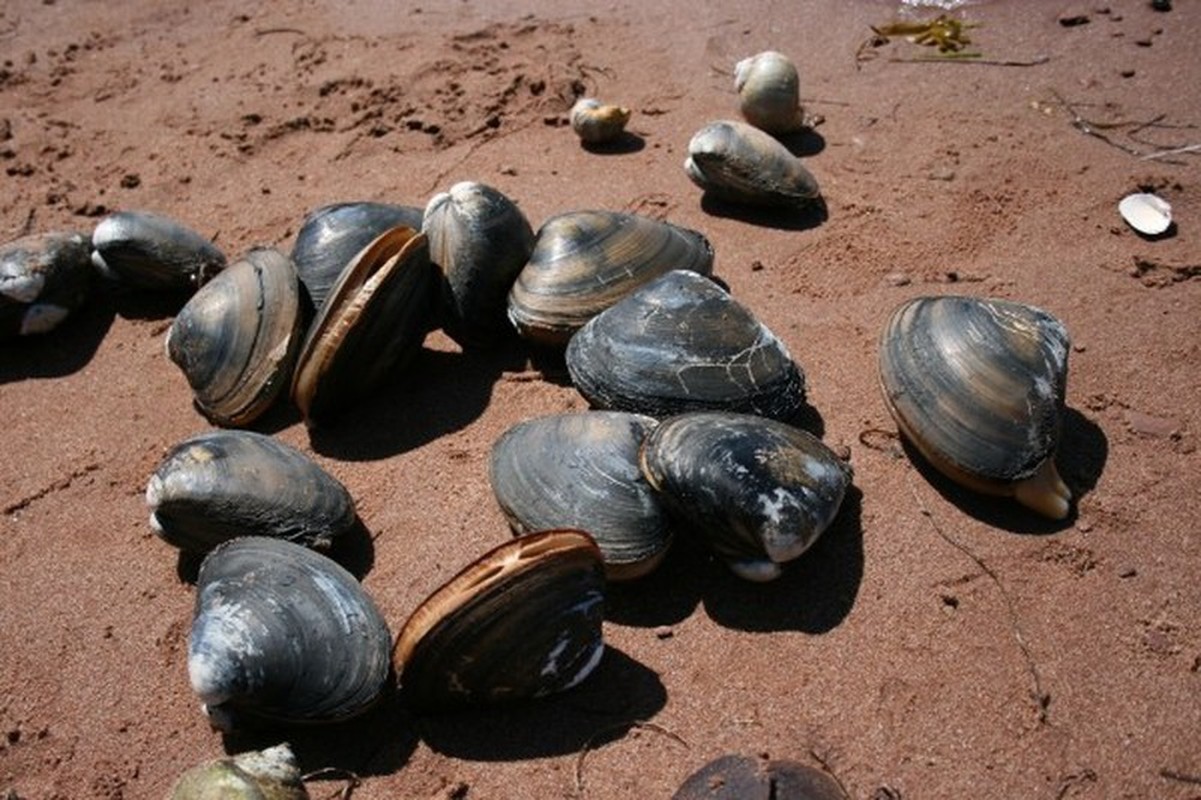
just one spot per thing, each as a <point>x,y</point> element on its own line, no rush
<point>681,343</point>
<point>581,471</point>
<point>739,163</point>
<point>977,386</point>
<point>769,92</point>
<point>43,278</point>
<point>270,774</point>
<point>224,484</point>
<point>521,622</point>
<point>151,251</point>
<point>760,492</point>
<point>281,634</point>
<point>585,261</point>
<point>1147,213</point>
<point>736,777</point>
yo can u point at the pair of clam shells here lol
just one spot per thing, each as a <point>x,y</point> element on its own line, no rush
<point>43,278</point>
<point>760,492</point>
<point>977,386</point>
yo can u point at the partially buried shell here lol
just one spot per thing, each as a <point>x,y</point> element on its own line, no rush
<point>332,235</point>
<point>977,386</point>
<point>585,261</point>
<point>581,471</point>
<point>151,251</point>
<point>523,621</point>
<point>736,777</point>
<point>375,319</point>
<point>43,278</point>
<point>596,122</point>
<point>480,240</point>
<point>270,774</point>
<point>769,92</point>
<point>739,163</point>
<point>237,338</point>
<point>760,492</point>
<point>281,634</point>
<point>681,343</point>
<point>224,484</point>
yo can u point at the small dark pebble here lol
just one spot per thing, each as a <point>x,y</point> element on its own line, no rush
<point>664,632</point>
<point>1072,20</point>
<point>1127,572</point>
<point>756,265</point>
<point>1127,73</point>
<point>130,180</point>
<point>1161,5</point>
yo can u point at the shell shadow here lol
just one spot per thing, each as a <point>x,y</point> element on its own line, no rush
<point>667,596</point>
<point>809,419</point>
<point>1081,458</point>
<point>440,392</point>
<point>813,595</point>
<point>624,144</point>
<point>601,709</point>
<point>378,742</point>
<point>786,219</point>
<point>133,303</point>
<point>354,550</point>
<point>62,351</point>
<point>805,142</point>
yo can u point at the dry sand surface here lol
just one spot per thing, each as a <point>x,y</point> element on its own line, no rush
<point>933,644</point>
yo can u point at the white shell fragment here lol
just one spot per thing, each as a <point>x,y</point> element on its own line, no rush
<point>1147,213</point>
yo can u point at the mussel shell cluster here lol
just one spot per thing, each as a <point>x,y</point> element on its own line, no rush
<point>581,471</point>
<point>43,278</point>
<point>523,621</point>
<point>681,343</point>
<point>759,491</point>
<point>221,485</point>
<point>769,92</point>
<point>977,386</point>
<point>738,163</point>
<point>151,251</point>
<point>282,634</point>
<point>270,774</point>
<point>480,240</point>
<point>237,338</point>
<point>374,319</point>
<point>331,236</point>
<point>585,261</point>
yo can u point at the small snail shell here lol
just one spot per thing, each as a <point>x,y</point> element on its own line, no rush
<point>769,93</point>
<point>597,123</point>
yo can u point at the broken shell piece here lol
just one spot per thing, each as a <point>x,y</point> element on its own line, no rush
<point>596,122</point>
<point>270,774</point>
<point>1148,214</point>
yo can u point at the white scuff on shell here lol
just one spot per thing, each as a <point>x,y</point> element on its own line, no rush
<point>1147,213</point>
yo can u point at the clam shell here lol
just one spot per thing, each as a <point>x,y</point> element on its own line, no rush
<point>739,163</point>
<point>977,386</point>
<point>1147,213</point>
<point>281,634</point>
<point>237,338</point>
<point>596,122</point>
<point>585,261</point>
<point>224,484</point>
<point>151,251</point>
<point>769,92</point>
<point>759,491</point>
<point>736,777</point>
<point>332,235</point>
<point>43,278</point>
<point>375,319</point>
<point>480,240</point>
<point>523,621</point>
<point>270,774</point>
<point>581,471</point>
<point>680,344</point>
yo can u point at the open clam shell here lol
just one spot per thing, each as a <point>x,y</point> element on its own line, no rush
<point>769,92</point>
<point>43,278</point>
<point>739,163</point>
<point>585,261</point>
<point>151,251</point>
<point>596,122</point>
<point>736,777</point>
<point>480,240</point>
<point>523,621</point>
<point>681,343</point>
<point>224,484</point>
<point>375,318</point>
<point>759,491</point>
<point>281,634</point>
<point>237,338</point>
<point>270,774</point>
<point>331,236</point>
<point>977,386</point>
<point>581,471</point>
